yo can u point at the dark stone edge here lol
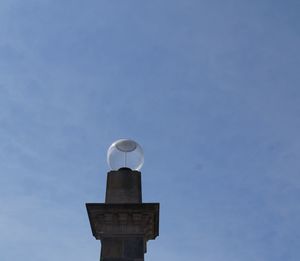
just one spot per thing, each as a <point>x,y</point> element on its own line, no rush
<point>153,207</point>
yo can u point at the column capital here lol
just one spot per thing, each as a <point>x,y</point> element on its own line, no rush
<point>124,220</point>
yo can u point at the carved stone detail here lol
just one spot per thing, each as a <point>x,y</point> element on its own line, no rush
<point>123,220</point>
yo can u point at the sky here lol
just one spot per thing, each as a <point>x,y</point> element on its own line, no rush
<point>209,89</point>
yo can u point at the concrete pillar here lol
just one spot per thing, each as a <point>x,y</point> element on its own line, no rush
<point>123,223</point>
<point>122,249</point>
<point>123,187</point>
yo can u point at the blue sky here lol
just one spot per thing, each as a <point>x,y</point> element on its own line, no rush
<point>210,89</point>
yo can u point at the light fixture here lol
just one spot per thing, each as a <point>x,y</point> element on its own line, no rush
<point>125,153</point>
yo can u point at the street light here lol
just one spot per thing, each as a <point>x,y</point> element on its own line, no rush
<point>125,153</point>
<point>123,223</point>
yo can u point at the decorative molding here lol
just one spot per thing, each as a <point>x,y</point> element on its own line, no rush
<point>124,220</point>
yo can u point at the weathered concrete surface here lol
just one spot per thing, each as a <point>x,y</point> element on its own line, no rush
<point>123,223</point>
<point>123,186</point>
<point>123,220</point>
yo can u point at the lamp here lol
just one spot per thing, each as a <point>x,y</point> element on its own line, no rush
<point>125,153</point>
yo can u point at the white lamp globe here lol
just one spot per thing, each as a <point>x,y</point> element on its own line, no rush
<point>125,153</point>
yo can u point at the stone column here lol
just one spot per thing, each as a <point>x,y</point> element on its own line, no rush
<point>123,186</point>
<point>123,223</point>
